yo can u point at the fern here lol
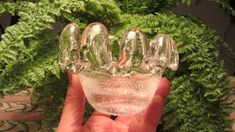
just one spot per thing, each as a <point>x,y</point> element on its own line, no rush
<point>29,57</point>
<point>148,6</point>
<point>43,55</point>
<point>16,7</point>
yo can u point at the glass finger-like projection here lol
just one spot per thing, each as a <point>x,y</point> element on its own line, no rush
<point>118,77</point>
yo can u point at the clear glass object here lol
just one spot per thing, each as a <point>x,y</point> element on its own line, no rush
<point>118,77</point>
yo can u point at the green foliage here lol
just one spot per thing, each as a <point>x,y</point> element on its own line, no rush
<point>33,19</point>
<point>148,6</point>
<point>30,70</point>
<point>199,99</point>
<point>50,95</point>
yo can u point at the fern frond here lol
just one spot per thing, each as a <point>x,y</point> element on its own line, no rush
<point>42,61</point>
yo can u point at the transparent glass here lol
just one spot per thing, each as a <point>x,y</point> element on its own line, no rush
<point>118,77</point>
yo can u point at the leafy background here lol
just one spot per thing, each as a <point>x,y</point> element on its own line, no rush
<point>199,99</point>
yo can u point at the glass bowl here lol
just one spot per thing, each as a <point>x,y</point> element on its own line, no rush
<point>118,77</point>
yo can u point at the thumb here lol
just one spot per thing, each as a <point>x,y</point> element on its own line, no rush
<point>72,115</point>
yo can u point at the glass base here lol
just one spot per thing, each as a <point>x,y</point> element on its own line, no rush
<point>119,95</point>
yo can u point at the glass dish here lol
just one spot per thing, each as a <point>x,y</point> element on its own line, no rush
<point>118,77</point>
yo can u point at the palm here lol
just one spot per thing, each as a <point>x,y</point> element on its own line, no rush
<point>72,116</point>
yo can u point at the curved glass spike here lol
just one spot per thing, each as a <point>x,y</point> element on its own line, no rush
<point>173,62</point>
<point>165,53</point>
<point>134,49</point>
<point>94,44</point>
<point>69,48</point>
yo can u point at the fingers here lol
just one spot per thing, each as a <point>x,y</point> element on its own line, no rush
<point>124,120</point>
<point>147,121</point>
<point>72,115</point>
<point>163,88</point>
<point>96,113</point>
<point>101,124</point>
<point>153,113</point>
<point>150,118</point>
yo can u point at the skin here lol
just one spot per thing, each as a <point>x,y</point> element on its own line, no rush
<point>145,121</point>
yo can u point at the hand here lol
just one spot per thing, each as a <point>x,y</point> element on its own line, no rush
<point>72,115</point>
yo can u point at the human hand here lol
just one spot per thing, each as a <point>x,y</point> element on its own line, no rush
<point>145,121</point>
